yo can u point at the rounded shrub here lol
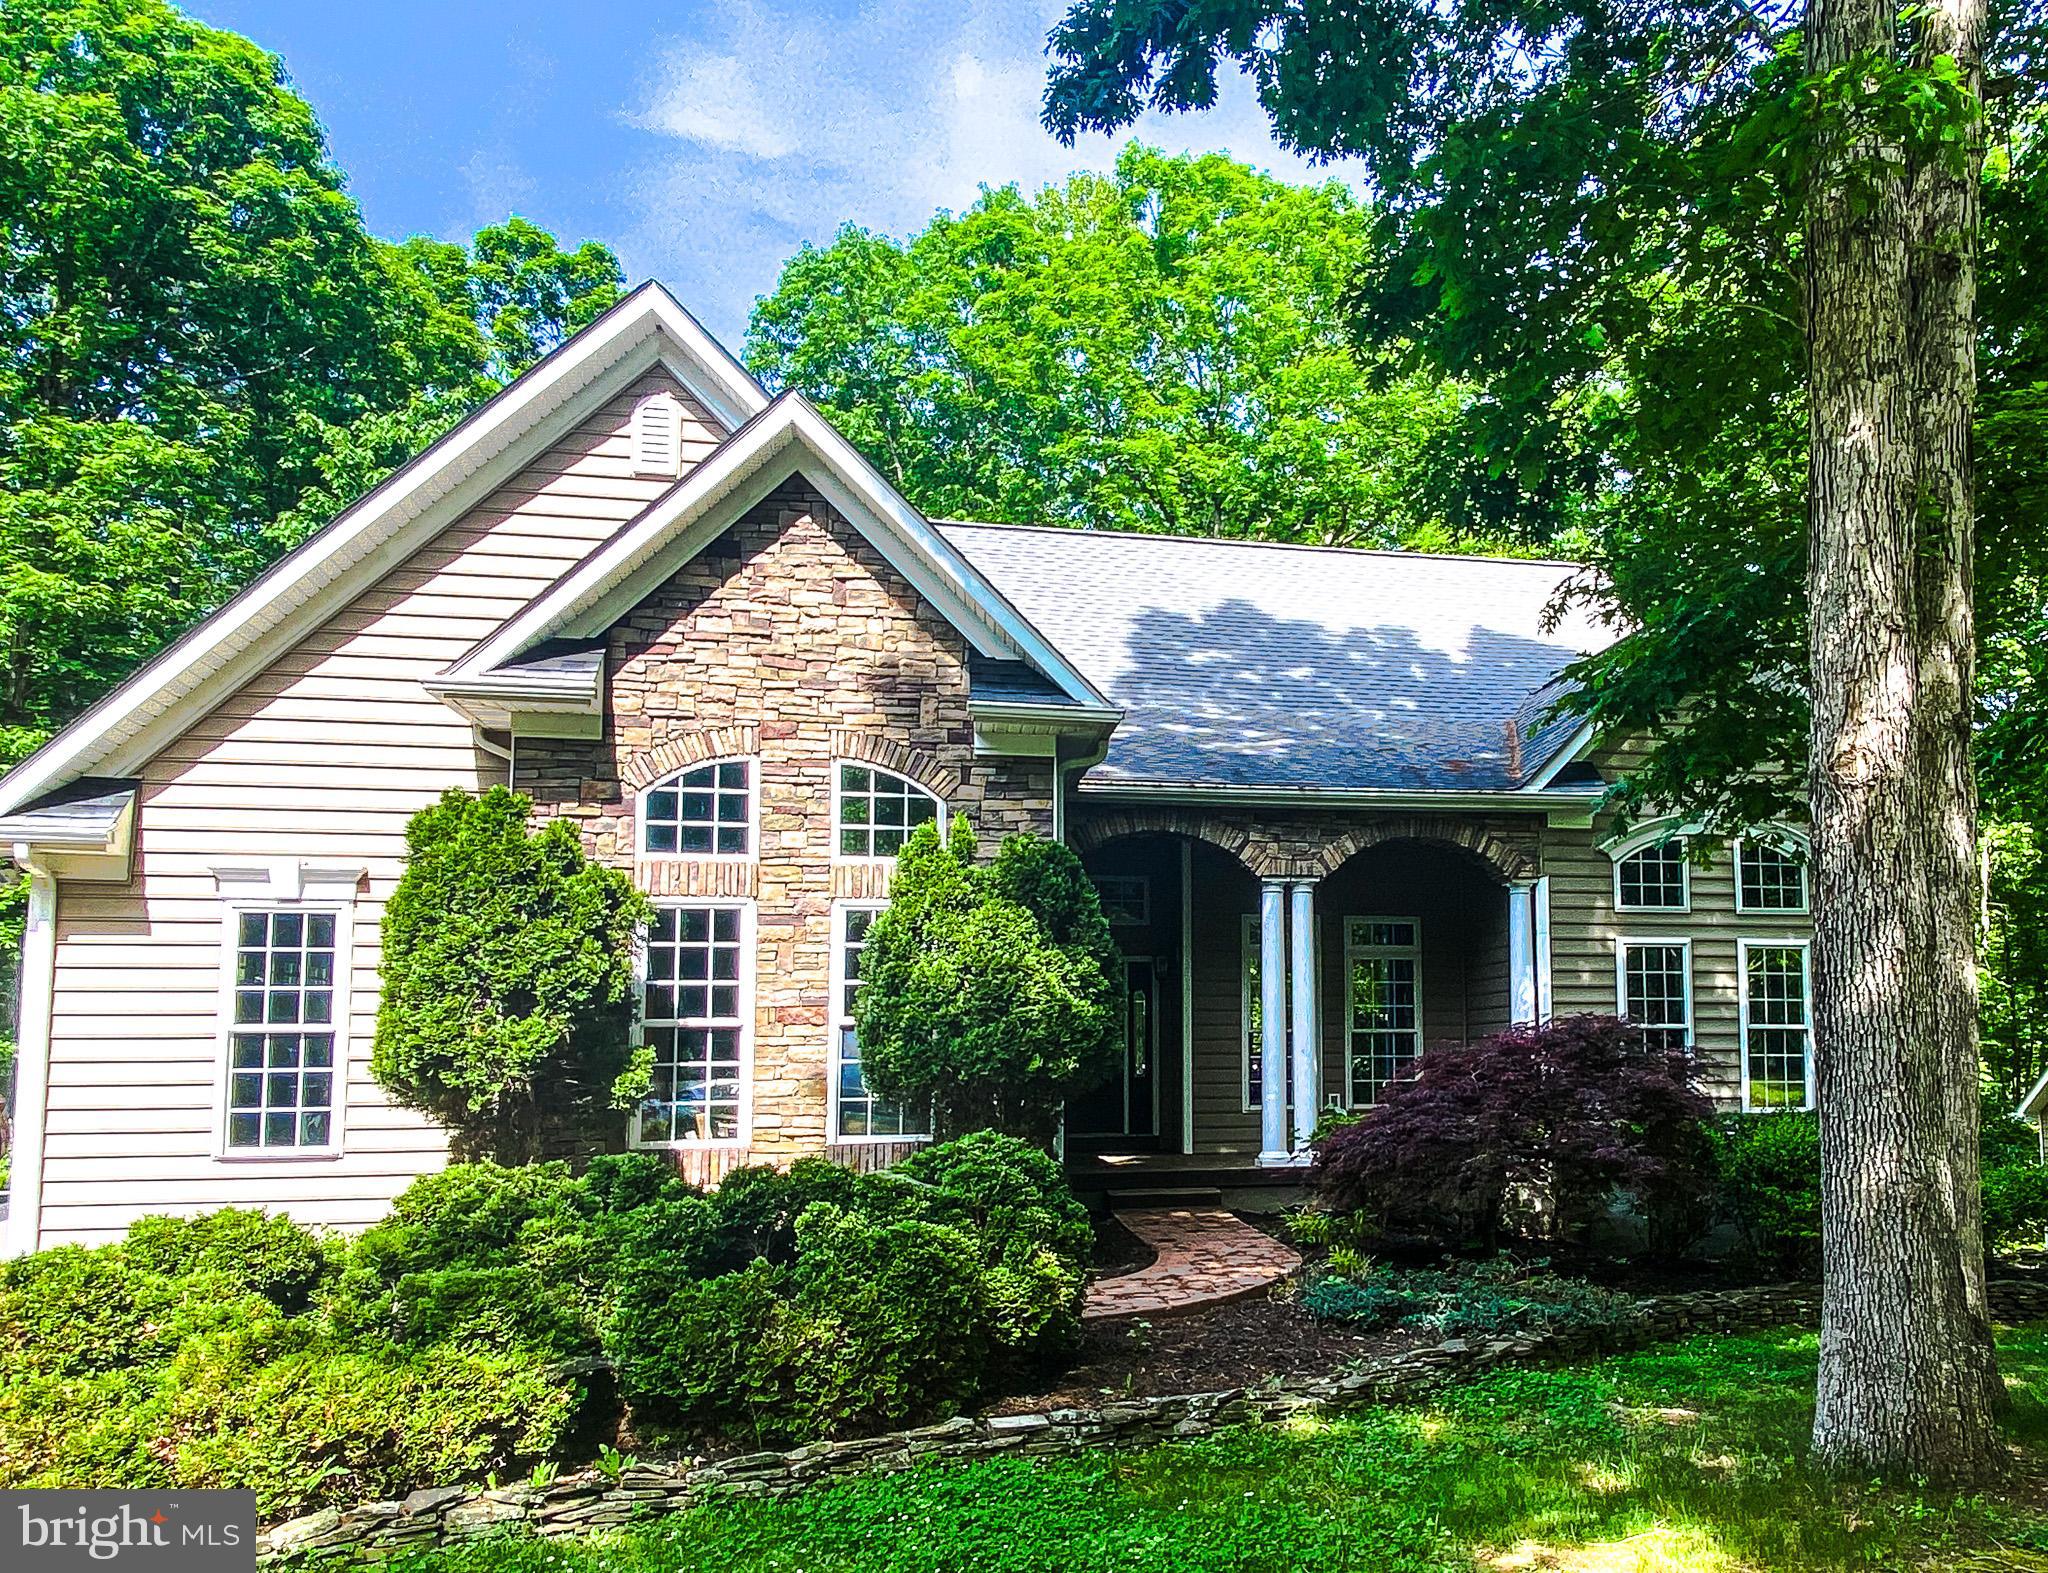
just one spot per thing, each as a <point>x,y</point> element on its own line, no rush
<point>262,1253</point>
<point>1769,1167</point>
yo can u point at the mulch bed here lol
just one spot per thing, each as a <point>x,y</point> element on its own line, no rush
<point>1236,1343</point>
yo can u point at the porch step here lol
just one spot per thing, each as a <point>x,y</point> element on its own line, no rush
<point>1120,1197</point>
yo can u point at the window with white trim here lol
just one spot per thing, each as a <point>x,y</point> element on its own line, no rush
<point>1768,878</point>
<point>1777,1026</point>
<point>694,1008</point>
<point>1126,899</point>
<point>1653,878</point>
<point>858,1115</point>
<point>1249,1008</point>
<point>283,1030</point>
<point>874,811</point>
<point>1653,986</point>
<point>1382,1003</point>
<point>705,811</point>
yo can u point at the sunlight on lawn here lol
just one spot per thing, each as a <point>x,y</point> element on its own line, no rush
<point>1653,1551</point>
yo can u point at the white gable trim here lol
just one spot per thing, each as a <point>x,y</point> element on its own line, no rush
<point>789,435</point>
<point>1575,748</point>
<point>383,527</point>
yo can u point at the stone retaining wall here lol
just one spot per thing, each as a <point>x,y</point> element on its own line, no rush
<point>590,1501</point>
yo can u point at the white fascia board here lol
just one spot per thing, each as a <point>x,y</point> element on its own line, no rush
<point>1334,797</point>
<point>124,730</point>
<point>1574,749</point>
<point>2037,1097</point>
<point>784,439</point>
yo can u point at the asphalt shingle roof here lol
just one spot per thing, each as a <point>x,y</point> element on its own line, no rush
<point>1249,665</point>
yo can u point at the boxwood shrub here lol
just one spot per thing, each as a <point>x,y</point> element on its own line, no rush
<point>460,1334</point>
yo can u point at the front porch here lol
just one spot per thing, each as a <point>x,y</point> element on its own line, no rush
<point>1365,940</point>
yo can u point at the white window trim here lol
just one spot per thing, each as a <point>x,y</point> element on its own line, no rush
<point>834,1021</point>
<point>1397,951</point>
<point>746,1026</point>
<point>1786,842</point>
<point>286,886</point>
<point>1144,884</point>
<point>665,407</point>
<point>1743,947</point>
<point>1248,947</point>
<point>1622,944</point>
<point>873,859</point>
<point>1622,851</point>
<point>753,820</point>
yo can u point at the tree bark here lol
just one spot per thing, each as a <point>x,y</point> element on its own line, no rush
<point>1908,1378</point>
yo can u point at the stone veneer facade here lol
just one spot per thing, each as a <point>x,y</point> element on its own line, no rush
<point>790,641</point>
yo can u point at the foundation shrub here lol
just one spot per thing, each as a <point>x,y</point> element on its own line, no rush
<point>1497,1296</point>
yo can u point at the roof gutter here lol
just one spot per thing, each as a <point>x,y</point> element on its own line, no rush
<point>1507,799</point>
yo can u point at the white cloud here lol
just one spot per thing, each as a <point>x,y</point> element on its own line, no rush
<point>774,129</point>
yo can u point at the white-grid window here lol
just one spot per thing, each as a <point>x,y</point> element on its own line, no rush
<point>1653,987</point>
<point>1768,878</point>
<point>282,1031</point>
<point>1250,1008</point>
<point>876,810</point>
<point>1126,899</point>
<point>1777,1026</point>
<point>1382,1002</point>
<point>858,1115</point>
<point>694,1010</point>
<point>1653,878</point>
<point>707,811</point>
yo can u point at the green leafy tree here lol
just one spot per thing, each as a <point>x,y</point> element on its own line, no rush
<point>1158,348</point>
<point>507,1009</point>
<point>1560,181</point>
<point>988,992</point>
<point>196,330</point>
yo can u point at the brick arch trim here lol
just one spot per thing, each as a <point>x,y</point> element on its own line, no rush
<point>913,764</point>
<point>678,752</point>
<point>1507,861</point>
<point>1099,830</point>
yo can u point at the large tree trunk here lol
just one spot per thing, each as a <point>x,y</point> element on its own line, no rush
<point>1908,1382</point>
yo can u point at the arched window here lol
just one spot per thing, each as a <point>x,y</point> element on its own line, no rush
<point>1770,873</point>
<point>704,811</point>
<point>1650,874</point>
<point>875,810</point>
<point>658,435</point>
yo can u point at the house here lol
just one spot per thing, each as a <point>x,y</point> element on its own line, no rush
<point>1330,814</point>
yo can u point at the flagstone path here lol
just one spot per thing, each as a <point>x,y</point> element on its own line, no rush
<point>1204,1255</point>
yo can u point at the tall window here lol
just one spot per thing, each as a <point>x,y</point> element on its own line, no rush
<point>1383,1002</point>
<point>704,812</point>
<point>1249,1011</point>
<point>877,810</point>
<point>1652,878</point>
<point>859,1115</point>
<point>1768,878</point>
<point>693,1016</point>
<point>1655,989</point>
<point>1777,1027</point>
<point>281,1041</point>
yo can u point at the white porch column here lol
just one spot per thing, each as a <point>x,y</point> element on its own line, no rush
<point>1522,952</point>
<point>1273,1022</point>
<point>1545,998</point>
<point>1303,1025</point>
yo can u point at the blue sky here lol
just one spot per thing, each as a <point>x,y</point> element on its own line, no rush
<point>703,142</point>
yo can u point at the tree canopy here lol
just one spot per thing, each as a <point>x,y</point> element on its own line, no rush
<point>1157,348</point>
<point>202,349</point>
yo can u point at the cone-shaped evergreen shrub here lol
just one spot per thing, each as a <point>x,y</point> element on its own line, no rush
<point>508,976</point>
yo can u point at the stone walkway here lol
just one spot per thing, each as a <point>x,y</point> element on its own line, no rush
<point>1204,1255</point>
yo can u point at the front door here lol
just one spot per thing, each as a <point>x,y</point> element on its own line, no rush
<point>1128,1103</point>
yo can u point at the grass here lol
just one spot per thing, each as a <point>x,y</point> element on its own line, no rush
<point>1689,1457</point>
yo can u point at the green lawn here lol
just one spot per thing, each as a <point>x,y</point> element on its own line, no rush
<point>1689,1457</point>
